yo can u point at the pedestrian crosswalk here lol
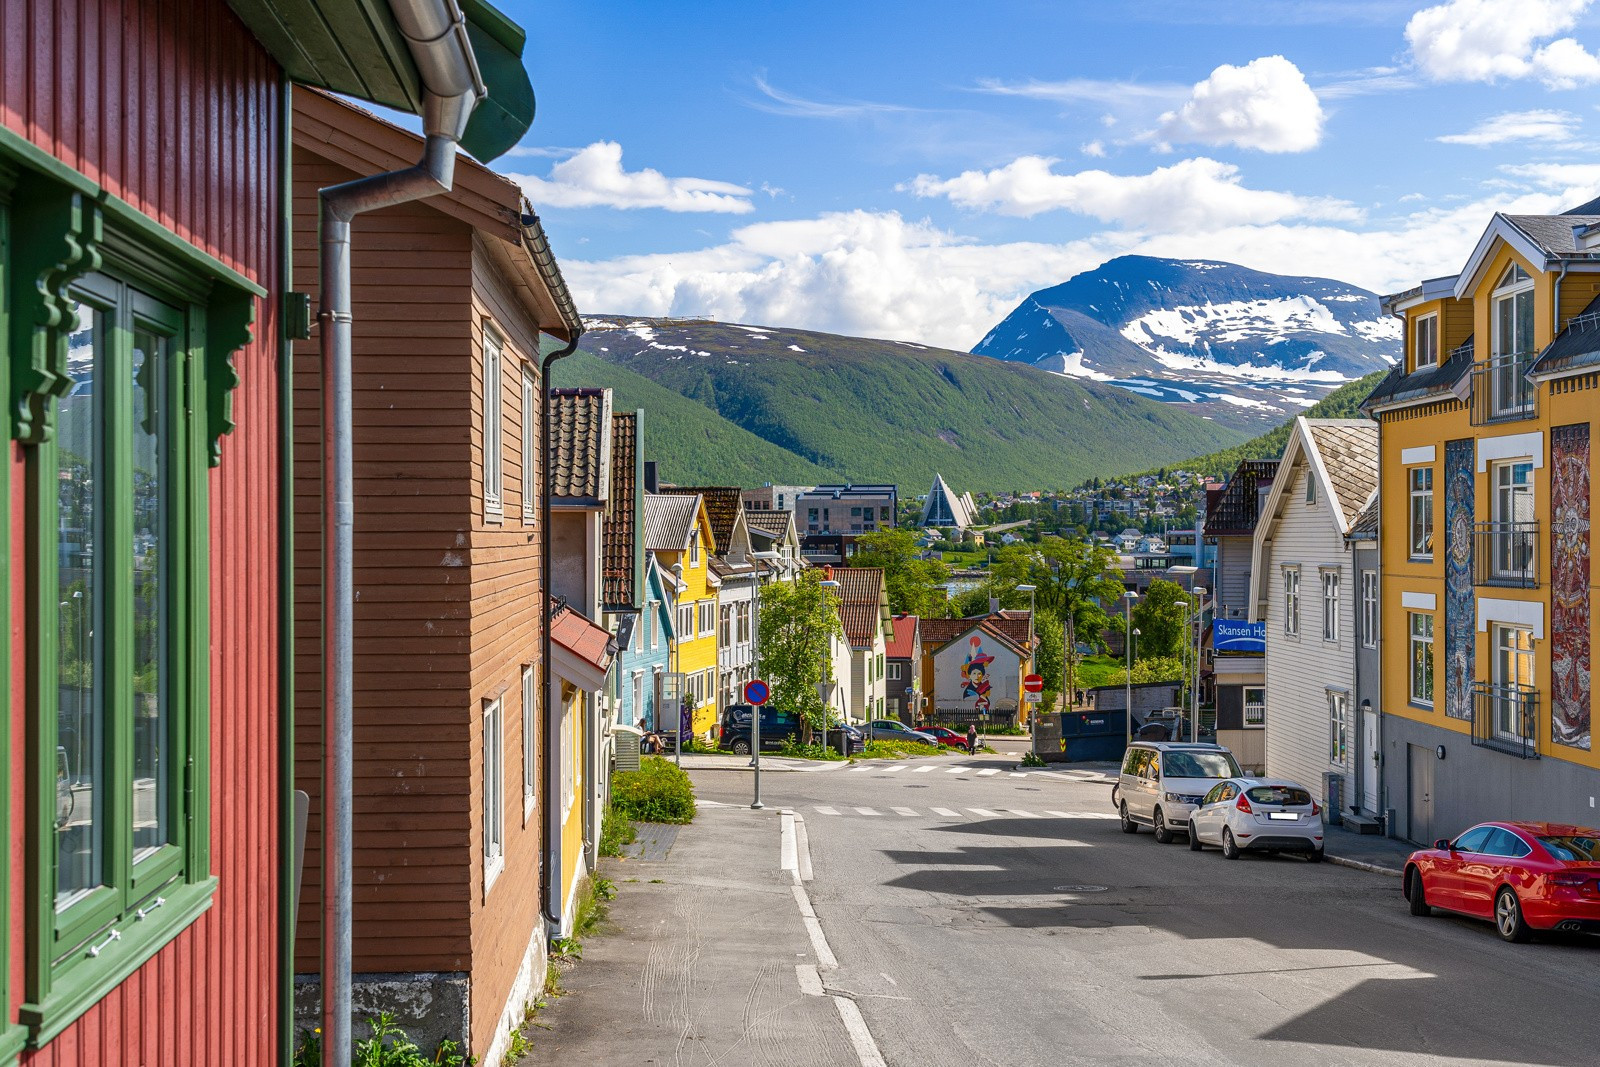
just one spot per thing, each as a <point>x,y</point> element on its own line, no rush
<point>953,813</point>
<point>984,772</point>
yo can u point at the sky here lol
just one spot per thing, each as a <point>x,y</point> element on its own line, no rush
<point>913,171</point>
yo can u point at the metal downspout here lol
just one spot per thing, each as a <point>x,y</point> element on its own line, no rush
<point>553,902</point>
<point>436,36</point>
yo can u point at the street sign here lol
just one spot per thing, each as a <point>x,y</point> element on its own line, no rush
<point>1033,684</point>
<point>1032,697</point>
<point>756,692</point>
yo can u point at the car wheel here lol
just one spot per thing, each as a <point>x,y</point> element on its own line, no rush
<point>1508,917</point>
<point>1163,835</point>
<point>1194,837</point>
<point>1314,857</point>
<point>741,748</point>
<point>1230,847</point>
<point>1415,895</point>
<point>1128,825</point>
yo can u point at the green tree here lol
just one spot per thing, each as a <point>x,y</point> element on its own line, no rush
<point>798,623</point>
<point>916,586</point>
<point>1047,658</point>
<point>1154,669</point>
<point>1159,617</point>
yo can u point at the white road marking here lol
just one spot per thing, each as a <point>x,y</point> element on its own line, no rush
<point>947,813</point>
<point>802,844</point>
<point>893,767</point>
<point>986,772</point>
<point>862,767</point>
<point>867,811</point>
<point>1024,814</point>
<point>910,813</point>
<point>1060,814</point>
<point>800,898</point>
<point>956,770</point>
<point>810,980</point>
<point>985,812</point>
<point>886,978</point>
<point>826,811</point>
<point>1019,774</point>
<point>866,1048</point>
<point>826,961</point>
<point>923,770</point>
<point>787,856</point>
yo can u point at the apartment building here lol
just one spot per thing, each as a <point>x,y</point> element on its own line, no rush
<point>846,509</point>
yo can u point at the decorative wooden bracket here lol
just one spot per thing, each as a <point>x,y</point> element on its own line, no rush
<point>229,317</point>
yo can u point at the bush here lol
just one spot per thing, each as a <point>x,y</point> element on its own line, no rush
<point>888,749</point>
<point>1031,760</point>
<point>795,750</point>
<point>615,831</point>
<point>387,1047</point>
<point>659,791</point>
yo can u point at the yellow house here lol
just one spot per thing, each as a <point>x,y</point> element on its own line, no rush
<point>678,532</point>
<point>1487,595</point>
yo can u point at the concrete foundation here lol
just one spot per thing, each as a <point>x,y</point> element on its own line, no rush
<point>430,1007</point>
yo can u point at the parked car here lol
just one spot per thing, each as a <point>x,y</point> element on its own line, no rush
<point>1524,876</point>
<point>1163,781</point>
<point>945,736</point>
<point>1258,814</point>
<point>776,728</point>
<point>894,730</point>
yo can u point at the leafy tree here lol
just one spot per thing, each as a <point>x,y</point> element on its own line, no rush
<point>1159,617</point>
<point>1047,658</point>
<point>1154,669</point>
<point>1074,580</point>
<point>798,623</point>
<point>916,586</point>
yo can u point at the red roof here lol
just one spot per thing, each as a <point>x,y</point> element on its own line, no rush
<point>574,632</point>
<point>903,639</point>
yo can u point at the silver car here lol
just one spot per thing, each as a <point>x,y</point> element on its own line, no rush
<point>1258,815</point>
<point>1163,781</point>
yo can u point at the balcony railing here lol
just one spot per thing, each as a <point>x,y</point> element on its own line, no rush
<point>1255,714</point>
<point>1506,719</point>
<point>1501,390</point>
<point>1506,554</point>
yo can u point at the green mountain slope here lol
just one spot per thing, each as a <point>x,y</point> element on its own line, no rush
<point>691,444</point>
<point>1343,403</point>
<point>870,410</point>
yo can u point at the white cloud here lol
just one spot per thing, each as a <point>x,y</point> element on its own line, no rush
<point>1487,40</point>
<point>779,102</point>
<point>1191,193</point>
<point>1114,94</point>
<point>1265,104</point>
<point>593,177</point>
<point>1555,127</point>
<point>1097,149</point>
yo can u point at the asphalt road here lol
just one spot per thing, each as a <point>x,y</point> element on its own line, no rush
<point>1024,932</point>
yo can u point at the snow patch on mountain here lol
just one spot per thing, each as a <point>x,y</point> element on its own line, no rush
<point>1071,365</point>
<point>1389,329</point>
<point>1271,319</point>
<point>1270,372</point>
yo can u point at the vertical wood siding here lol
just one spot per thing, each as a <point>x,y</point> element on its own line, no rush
<point>172,106</point>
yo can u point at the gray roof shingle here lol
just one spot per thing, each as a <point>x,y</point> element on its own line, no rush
<point>668,520</point>
<point>1349,451</point>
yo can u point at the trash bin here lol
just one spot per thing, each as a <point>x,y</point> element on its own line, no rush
<point>1334,790</point>
<point>1093,735</point>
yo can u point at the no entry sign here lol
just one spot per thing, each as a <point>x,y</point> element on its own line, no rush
<point>756,692</point>
<point>1033,683</point>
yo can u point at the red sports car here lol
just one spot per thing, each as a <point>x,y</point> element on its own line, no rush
<point>947,737</point>
<point>1525,876</point>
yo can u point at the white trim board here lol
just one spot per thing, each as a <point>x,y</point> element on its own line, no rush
<point>1511,446</point>
<point>1410,457</point>
<point>1419,601</point>
<point>1529,613</point>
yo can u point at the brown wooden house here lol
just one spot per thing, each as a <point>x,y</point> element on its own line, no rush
<point>452,295</point>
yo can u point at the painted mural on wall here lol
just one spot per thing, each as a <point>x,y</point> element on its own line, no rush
<point>1569,586</point>
<point>976,674</point>
<point>1460,613</point>
<point>975,682</point>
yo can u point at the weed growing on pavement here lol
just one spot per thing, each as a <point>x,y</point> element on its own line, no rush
<point>659,791</point>
<point>566,948</point>
<point>658,881</point>
<point>1031,760</point>
<point>889,749</point>
<point>795,750</point>
<point>615,831</point>
<point>388,1046</point>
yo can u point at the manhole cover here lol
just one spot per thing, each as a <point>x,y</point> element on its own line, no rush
<point>1080,889</point>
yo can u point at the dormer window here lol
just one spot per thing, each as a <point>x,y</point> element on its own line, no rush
<point>1512,344</point>
<point>694,550</point>
<point>1425,342</point>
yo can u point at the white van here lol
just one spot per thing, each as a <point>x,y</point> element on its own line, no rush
<point>1163,781</point>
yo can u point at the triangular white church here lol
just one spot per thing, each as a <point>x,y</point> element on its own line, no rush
<point>944,508</point>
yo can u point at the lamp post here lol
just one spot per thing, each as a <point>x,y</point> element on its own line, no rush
<point>830,584</point>
<point>677,639</point>
<point>1199,640</point>
<point>1129,633</point>
<point>1033,716</point>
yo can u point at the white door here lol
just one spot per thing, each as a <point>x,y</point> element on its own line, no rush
<point>1369,770</point>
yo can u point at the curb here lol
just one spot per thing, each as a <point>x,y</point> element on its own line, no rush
<point>1361,865</point>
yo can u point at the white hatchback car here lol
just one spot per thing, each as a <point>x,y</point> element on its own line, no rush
<point>1258,815</point>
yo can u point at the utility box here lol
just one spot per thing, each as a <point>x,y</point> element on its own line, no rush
<point>1334,786</point>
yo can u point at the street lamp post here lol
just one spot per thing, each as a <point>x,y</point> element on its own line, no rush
<point>1033,720</point>
<point>677,714</point>
<point>1129,633</point>
<point>830,584</point>
<point>1199,640</point>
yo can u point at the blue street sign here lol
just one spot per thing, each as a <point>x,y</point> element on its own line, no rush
<point>756,692</point>
<point>1231,635</point>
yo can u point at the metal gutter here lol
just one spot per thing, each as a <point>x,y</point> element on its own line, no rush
<point>288,890</point>
<point>436,36</point>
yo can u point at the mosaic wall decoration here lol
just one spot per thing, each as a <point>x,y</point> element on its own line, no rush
<point>1569,585</point>
<point>1460,613</point>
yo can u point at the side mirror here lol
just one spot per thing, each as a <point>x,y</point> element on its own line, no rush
<point>1444,845</point>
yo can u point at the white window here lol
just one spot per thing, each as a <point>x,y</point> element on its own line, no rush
<point>725,625</point>
<point>1338,726</point>
<point>530,449</point>
<point>1512,343</point>
<point>1421,483</point>
<point>1330,605</point>
<point>1369,608</point>
<point>894,672</point>
<point>571,774</point>
<point>493,457</point>
<point>694,549</point>
<point>1311,486</point>
<point>1421,627</point>
<point>707,618</point>
<point>653,621</point>
<point>494,799</point>
<point>1513,679</point>
<point>1425,342</point>
<point>1291,601</point>
<point>530,737</point>
<point>685,622</point>
<point>1255,705</point>
<point>1512,540</point>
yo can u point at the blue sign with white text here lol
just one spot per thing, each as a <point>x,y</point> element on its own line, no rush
<point>1231,635</point>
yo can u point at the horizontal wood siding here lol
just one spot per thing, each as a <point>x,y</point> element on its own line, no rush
<point>173,106</point>
<point>412,277</point>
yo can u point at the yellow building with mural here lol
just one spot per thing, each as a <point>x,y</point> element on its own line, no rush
<point>678,533</point>
<point>1487,598</point>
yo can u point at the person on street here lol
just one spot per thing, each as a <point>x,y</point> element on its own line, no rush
<point>972,739</point>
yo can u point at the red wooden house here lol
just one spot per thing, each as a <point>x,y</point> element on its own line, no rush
<point>145,782</point>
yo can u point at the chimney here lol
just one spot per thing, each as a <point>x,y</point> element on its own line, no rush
<point>650,476</point>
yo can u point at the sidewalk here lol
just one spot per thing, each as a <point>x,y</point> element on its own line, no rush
<point>701,961</point>
<point>1367,852</point>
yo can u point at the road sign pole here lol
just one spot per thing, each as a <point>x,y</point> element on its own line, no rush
<point>756,693</point>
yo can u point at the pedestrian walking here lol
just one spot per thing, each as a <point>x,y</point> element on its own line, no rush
<point>972,739</point>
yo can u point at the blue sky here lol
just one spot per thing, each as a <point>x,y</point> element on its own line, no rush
<point>912,171</point>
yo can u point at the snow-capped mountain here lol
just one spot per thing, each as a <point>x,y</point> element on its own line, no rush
<point>1241,346</point>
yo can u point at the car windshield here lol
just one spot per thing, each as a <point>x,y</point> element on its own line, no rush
<point>1279,794</point>
<point>1200,765</point>
<point>1572,846</point>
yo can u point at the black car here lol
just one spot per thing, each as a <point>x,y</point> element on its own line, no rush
<point>776,728</point>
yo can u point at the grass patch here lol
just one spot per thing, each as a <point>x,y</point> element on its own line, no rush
<point>795,750</point>
<point>1096,671</point>
<point>615,831</point>
<point>888,749</point>
<point>659,791</point>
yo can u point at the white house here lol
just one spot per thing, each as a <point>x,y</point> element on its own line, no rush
<point>1306,585</point>
<point>864,611</point>
<point>977,674</point>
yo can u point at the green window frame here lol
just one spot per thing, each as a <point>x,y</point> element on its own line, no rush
<point>162,319</point>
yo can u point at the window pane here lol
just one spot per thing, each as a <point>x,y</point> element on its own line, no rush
<point>152,727</point>
<point>80,803</point>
